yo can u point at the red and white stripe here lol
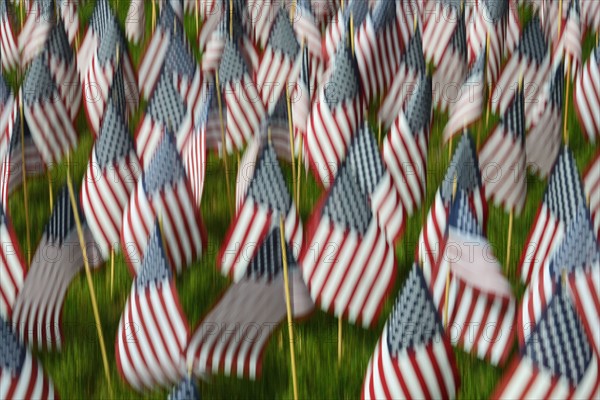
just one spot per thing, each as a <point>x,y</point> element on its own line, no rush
<point>307,30</point>
<point>466,109</point>
<point>30,383</point>
<point>586,97</point>
<point>86,52</point>
<point>332,36</point>
<point>402,86</point>
<point>513,28</point>
<point>451,70</point>
<point>70,18</point>
<point>405,156</point>
<point>477,30</point>
<point>570,42</point>
<point>104,195</point>
<point>194,91</point>
<point>152,337</point>
<point>440,23</point>
<point>211,58</point>
<point>544,140</point>
<point>245,112</point>
<point>386,203</point>
<point>274,73</point>
<point>211,20</point>
<point>11,173</point>
<point>194,156</point>
<point>537,296</point>
<point>10,52</point>
<point>8,117</point>
<point>259,19</point>
<point>135,23</point>
<point>590,12</point>
<point>12,269</point>
<point>34,34</point>
<point>585,292</point>
<point>424,371</point>
<point>153,61</point>
<point>591,185</point>
<point>348,274</point>
<point>429,252</point>
<point>184,233</point>
<point>67,82</point>
<point>245,172</point>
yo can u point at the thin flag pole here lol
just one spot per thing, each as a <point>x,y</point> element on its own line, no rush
<point>24,176</point>
<point>291,129</point>
<point>221,123</point>
<point>339,343</point>
<point>112,271</point>
<point>88,275</point>
<point>196,14</point>
<point>509,239</point>
<point>485,68</point>
<point>153,15</point>
<point>352,32</point>
<point>379,133</point>
<point>288,305</point>
<point>50,191</point>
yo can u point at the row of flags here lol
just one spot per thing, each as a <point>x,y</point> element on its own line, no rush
<point>149,207</point>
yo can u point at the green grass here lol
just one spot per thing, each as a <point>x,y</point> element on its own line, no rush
<point>77,370</point>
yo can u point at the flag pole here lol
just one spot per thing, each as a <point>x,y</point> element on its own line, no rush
<point>88,276</point>
<point>288,305</point>
<point>153,15</point>
<point>24,176</point>
<point>196,14</point>
<point>291,129</point>
<point>50,191</point>
<point>485,68</point>
<point>509,239</point>
<point>112,270</point>
<point>379,133</point>
<point>221,123</point>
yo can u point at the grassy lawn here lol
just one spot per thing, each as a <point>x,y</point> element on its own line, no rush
<point>78,373</point>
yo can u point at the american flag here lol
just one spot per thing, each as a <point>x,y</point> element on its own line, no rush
<point>302,93</point>
<point>379,44</point>
<point>562,198</point>
<point>102,17</point>
<point>513,28</point>
<point>442,19</point>
<point>233,336</point>
<point>8,115</point>
<point>212,12</point>
<point>41,17</point>
<point>213,123</point>
<point>187,388</point>
<point>163,191</point>
<point>411,69</point>
<point>585,289</point>
<point>531,60</point>
<point>479,295</point>
<point>405,147</point>
<point>153,331</point>
<point>280,63</point>
<point>45,113</point>
<point>338,29</point>
<point>246,168</point>
<point>266,198</point>
<point>70,17</point>
<point>590,10</point>
<point>135,23</point>
<point>504,153</point>
<point>557,360</point>
<point>12,268</point>
<point>56,262</point>
<point>578,251</point>
<point>334,117</point>
<point>591,184</point>
<point>414,357</point>
<point>277,125</point>
<point>195,156</point>
<point>259,19</point>
<point>10,52</point>
<point>571,38</point>
<point>545,137</point>
<point>21,375</point>
<point>348,263</point>
<point>245,110</point>
<point>586,96</point>
<point>467,108</point>
<point>111,175</point>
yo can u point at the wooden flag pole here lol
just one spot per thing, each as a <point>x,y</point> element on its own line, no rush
<point>379,133</point>
<point>112,271</point>
<point>24,176</point>
<point>288,304</point>
<point>88,275</point>
<point>352,32</point>
<point>153,15</point>
<point>509,239</point>
<point>196,15</point>
<point>50,191</point>
<point>223,147</point>
<point>339,342</point>
<point>565,131</point>
<point>291,129</point>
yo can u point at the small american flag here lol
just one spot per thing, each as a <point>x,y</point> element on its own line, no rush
<point>41,17</point>
<point>259,19</point>
<point>590,10</point>
<point>56,262</point>
<point>278,126</point>
<point>12,268</point>
<point>153,331</point>
<point>135,23</point>
<point>21,375</point>
<point>307,29</point>
<point>442,20</point>
<point>8,115</point>
<point>245,172</point>
<point>562,198</point>
<point>10,52</point>
<point>586,96</point>
<point>338,30</point>
<point>585,289</point>
<point>187,388</point>
<point>414,357</point>
<point>513,27</point>
<point>266,198</point>
<point>557,360</point>
<point>504,151</point>
<point>163,190</point>
<point>302,94</point>
<point>405,147</point>
<point>70,17</point>
<point>195,156</point>
<point>571,38</point>
<point>591,184</point>
<point>100,20</point>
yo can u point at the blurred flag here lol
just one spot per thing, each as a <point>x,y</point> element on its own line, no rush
<point>513,27</point>
<point>591,184</point>
<point>441,21</point>
<point>70,17</point>
<point>10,52</point>
<point>163,191</point>
<point>590,11</point>
<point>8,115</point>
<point>102,17</point>
<point>557,360</point>
<point>41,17</point>
<point>308,31</point>
<point>562,198</point>
<point>12,268</point>
<point>504,152</point>
<point>153,331</point>
<point>186,389</point>
<point>22,376</point>
<point>569,43</point>
<point>338,30</point>
<point>585,288</point>
<point>135,23</point>
<point>194,156</point>
<point>259,19</point>
<point>277,125</point>
<point>302,95</point>
<point>57,260</point>
<point>414,357</point>
<point>586,96</point>
<point>405,147</point>
<point>246,168</point>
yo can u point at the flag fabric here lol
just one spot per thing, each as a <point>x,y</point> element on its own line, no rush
<point>212,124</point>
<point>187,388</point>
<point>302,95</point>
<point>266,199</point>
<point>277,126</point>
<point>585,289</point>
<point>410,72</point>
<point>338,30</point>
<point>233,336</point>
<point>334,117</point>
<point>245,172</point>
<point>70,18</point>
<point>513,27</point>
<point>135,23</point>
<point>41,17</point>
<point>406,145</point>
<point>590,10</point>
<point>586,96</point>
<point>10,51</point>
<point>195,159</point>
<point>21,375</point>
<point>280,63</point>
<point>163,191</point>
<point>13,267</point>
<point>353,267</point>
<point>57,260</point>
<point>45,113</point>
<point>414,357</point>
<point>101,19</point>
<point>153,331</point>
<point>212,14</point>
<point>504,153</point>
<point>8,115</point>
<point>442,19</point>
<point>591,184</point>
<point>259,19</point>
<point>571,38</point>
<point>562,198</point>
<point>557,360</point>
<point>543,142</point>
<point>111,175</point>
<point>468,107</point>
